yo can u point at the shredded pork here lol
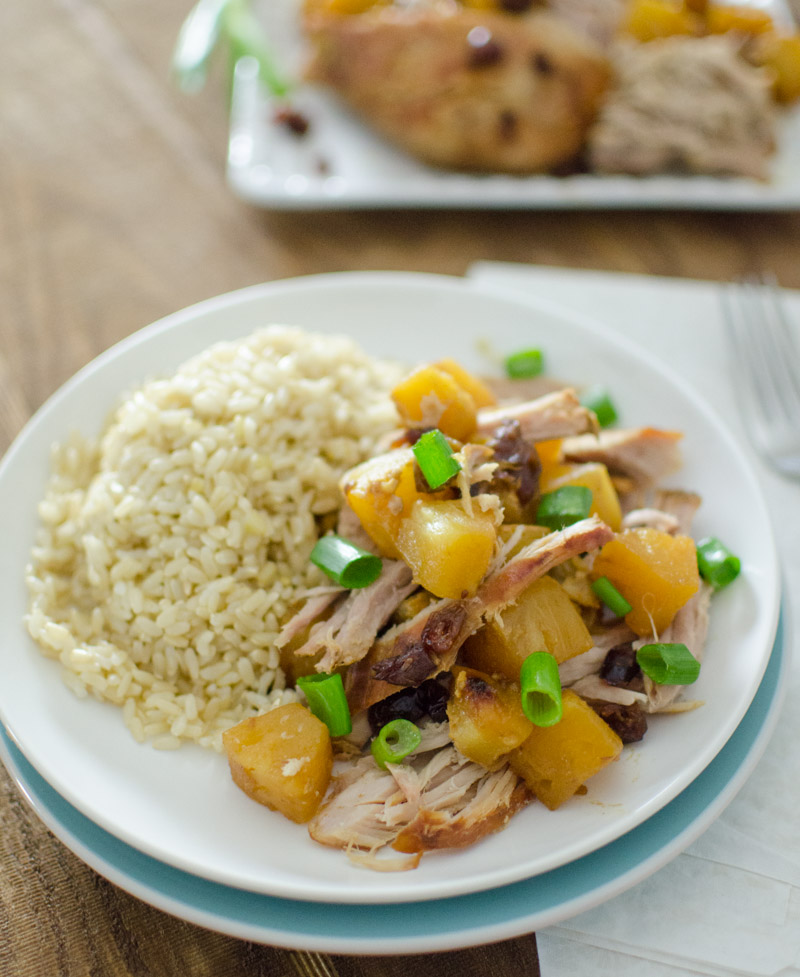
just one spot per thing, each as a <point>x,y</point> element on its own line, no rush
<point>435,799</point>
<point>407,641</point>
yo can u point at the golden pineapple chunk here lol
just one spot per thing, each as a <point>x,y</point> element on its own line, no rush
<point>474,386</point>
<point>594,476</point>
<point>554,761</point>
<point>379,491</point>
<point>486,717</point>
<point>448,549</point>
<point>655,572</point>
<point>549,453</point>
<point>543,619</point>
<point>781,56</point>
<point>282,759</point>
<point>429,397</point>
<point>651,19</point>
<point>721,18</point>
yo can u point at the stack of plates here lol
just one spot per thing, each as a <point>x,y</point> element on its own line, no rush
<point>172,828</point>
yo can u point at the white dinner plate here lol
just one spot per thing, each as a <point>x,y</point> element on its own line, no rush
<point>440,924</point>
<point>181,807</point>
<point>341,163</point>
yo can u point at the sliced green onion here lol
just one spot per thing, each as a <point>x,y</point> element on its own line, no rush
<point>346,563</point>
<point>598,400</point>
<point>668,664</point>
<point>526,363</point>
<point>395,741</point>
<point>326,699</point>
<point>566,505</point>
<point>197,38</point>
<point>245,37</point>
<point>540,689</point>
<point>435,458</point>
<point>611,597</point>
<point>716,563</point>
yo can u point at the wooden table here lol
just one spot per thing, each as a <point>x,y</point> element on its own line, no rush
<point>114,212</point>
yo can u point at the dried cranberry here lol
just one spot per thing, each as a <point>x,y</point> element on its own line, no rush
<point>434,695</point>
<point>405,704</point>
<point>484,51</point>
<point>294,121</point>
<point>621,669</point>
<point>516,6</point>
<point>542,64</point>
<point>409,667</point>
<point>443,628</point>
<point>429,699</point>
<point>628,722</point>
<point>507,123</point>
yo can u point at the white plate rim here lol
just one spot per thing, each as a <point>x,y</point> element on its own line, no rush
<point>375,280</point>
<point>154,881</point>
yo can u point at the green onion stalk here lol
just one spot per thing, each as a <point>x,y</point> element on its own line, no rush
<point>435,458</point>
<point>211,24</point>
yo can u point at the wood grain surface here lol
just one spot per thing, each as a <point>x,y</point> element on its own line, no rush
<point>114,212</point>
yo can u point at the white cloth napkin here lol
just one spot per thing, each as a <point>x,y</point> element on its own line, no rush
<point>730,905</point>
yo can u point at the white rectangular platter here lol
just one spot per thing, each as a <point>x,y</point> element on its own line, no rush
<point>340,163</point>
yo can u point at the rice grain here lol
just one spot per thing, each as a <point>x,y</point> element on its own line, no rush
<point>172,547</point>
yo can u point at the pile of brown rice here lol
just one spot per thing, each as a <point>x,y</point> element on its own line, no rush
<point>171,547</point>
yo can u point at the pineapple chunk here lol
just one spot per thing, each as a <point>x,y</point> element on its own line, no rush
<point>475,387</point>
<point>723,18</point>
<point>549,453</point>
<point>543,619</point>
<point>486,717</point>
<point>595,477</point>
<point>781,56</point>
<point>448,550</point>
<point>655,572</point>
<point>429,397</point>
<point>282,759</point>
<point>379,491</point>
<point>651,19</point>
<point>554,761</point>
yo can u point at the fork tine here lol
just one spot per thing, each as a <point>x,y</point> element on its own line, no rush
<point>766,367</point>
<point>767,334</point>
<point>786,361</point>
<point>736,318</point>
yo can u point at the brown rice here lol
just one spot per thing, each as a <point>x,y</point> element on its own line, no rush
<point>172,546</point>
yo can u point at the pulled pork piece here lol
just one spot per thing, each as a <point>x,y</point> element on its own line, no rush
<point>463,88</point>
<point>688,627</point>
<point>652,519</point>
<point>685,104</point>
<point>347,636</point>
<point>643,454</point>
<point>435,799</point>
<point>593,687</point>
<point>315,606</point>
<point>556,415</point>
<point>509,391</point>
<point>446,624</point>
<point>680,505</point>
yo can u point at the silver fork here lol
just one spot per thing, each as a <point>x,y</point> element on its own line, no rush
<point>766,368</point>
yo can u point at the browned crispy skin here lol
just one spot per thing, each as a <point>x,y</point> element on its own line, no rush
<point>461,88</point>
<point>431,830</point>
